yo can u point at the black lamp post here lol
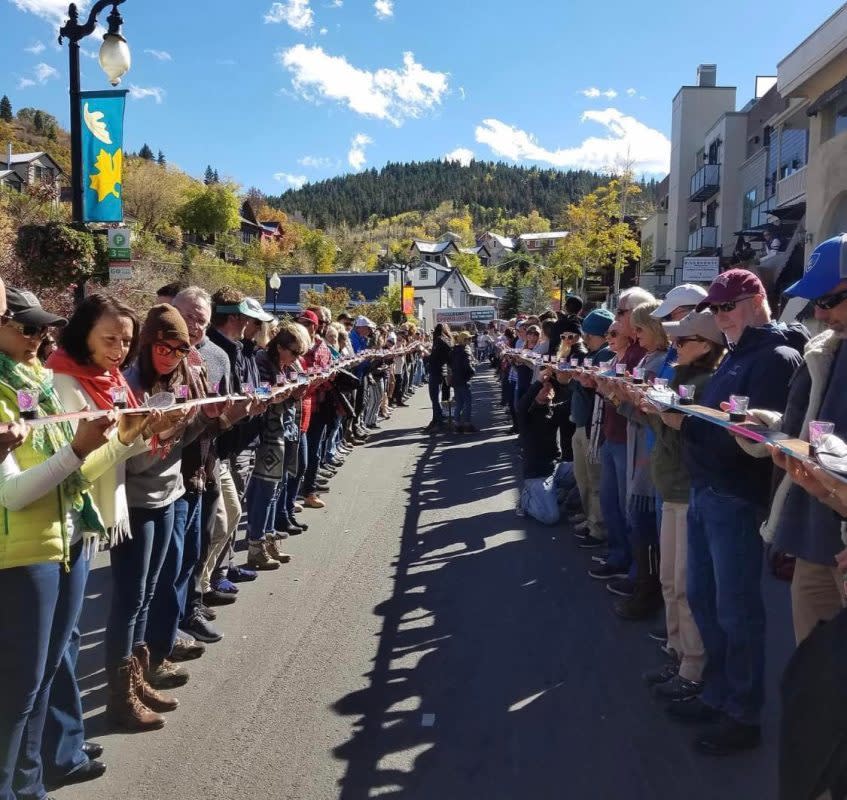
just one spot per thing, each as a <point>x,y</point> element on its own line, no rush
<point>114,59</point>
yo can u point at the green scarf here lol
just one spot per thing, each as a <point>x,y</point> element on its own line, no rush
<point>47,440</point>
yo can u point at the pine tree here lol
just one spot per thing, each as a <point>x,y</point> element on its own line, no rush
<point>215,178</point>
<point>209,176</point>
<point>511,302</point>
<point>6,109</point>
<point>145,152</point>
<point>38,122</point>
<point>161,159</point>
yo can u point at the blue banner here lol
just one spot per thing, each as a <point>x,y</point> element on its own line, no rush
<point>102,119</point>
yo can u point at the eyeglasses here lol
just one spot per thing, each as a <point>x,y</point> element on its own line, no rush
<point>830,301</point>
<point>728,306</point>
<point>165,350</point>
<point>28,331</point>
<point>295,353</point>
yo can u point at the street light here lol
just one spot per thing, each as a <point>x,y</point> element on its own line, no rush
<point>115,59</point>
<point>274,282</point>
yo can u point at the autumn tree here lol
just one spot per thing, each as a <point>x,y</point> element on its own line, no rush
<point>153,194</point>
<point>470,266</point>
<point>210,210</point>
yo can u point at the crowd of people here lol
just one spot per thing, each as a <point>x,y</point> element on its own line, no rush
<point>162,489</point>
<point>678,513</point>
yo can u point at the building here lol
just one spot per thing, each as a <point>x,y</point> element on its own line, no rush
<point>499,247</point>
<point>541,242</point>
<point>18,170</point>
<point>656,274</point>
<point>434,252</point>
<point>362,286</point>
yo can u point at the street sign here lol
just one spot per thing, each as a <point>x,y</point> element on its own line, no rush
<point>120,271</point>
<point>700,270</point>
<point>119,244</point>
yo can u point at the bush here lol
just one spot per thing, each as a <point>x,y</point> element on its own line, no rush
<point>56,255</point>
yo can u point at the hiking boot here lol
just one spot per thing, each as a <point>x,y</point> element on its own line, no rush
<point>692,711</point>
<point>186,649</point>
<point>678,688</point>
<point>259,558</point>
<point>123,708</point>
<point>272,549</point>
<point>166,675</point>
<point>154,700</point>
<point>313,501</point>
<point>728,737</point>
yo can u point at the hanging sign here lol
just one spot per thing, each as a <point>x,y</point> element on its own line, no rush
<point>102,124</point>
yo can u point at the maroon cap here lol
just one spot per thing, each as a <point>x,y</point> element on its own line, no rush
<point>309,316</point>
<point>732,285</point>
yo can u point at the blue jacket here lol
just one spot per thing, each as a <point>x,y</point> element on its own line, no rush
<point>760,367</point>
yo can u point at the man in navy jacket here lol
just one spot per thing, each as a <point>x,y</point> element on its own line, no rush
<point>729,496</point>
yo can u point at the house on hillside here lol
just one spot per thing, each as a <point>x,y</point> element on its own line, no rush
<point>439,286</point>
<point>252,229</point>
<point>434,252</point>
<point>480,251</point>
<point>18,170</point>
<point>541,242</point>
<point>499,247</point>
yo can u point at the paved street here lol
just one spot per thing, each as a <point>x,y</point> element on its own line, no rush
<point>424,643</point>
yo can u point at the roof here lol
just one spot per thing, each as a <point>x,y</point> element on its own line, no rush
<point>433,265</point>
<point>24,158</point>
<point>476,290</point>
<point>475,251</point>
<point>503,241</point>
<point>5,173</point>
<point>544,235</point>
<point>433,248</point>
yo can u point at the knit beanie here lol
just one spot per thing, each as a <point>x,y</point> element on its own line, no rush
<point>597,322</point>
<point>164,323</point>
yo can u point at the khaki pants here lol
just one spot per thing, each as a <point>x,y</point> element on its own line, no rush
<point>817,594</point>
<point>588,482</point>
<point>226,522</point>
<point>683,635</point>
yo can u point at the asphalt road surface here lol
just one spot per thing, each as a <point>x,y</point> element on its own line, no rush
<point>424,643</point>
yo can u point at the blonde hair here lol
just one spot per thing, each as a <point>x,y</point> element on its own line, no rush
<point>264,334</point>
<point>641,318</point>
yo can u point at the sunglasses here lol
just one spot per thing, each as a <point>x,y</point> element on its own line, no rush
<point>165,350</point>
<point>28,331</point>
<point>728,306</point>
<point>830,301</point>
<point>295,353</point>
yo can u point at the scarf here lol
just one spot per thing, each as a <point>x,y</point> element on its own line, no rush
<point>96,383</point>
<point>47,440</point>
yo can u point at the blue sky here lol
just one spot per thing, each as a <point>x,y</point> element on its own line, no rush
<point>274,94</point>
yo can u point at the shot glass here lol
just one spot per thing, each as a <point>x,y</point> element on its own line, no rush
<point>738,404</point>
<point>620,369</point>
<point>214,389</point>
<point>28,403</point>
<point>818,429</point>
<point>660,383</point>
<point>686,394</point>
<point>638,375</point>
<point>118,396</point>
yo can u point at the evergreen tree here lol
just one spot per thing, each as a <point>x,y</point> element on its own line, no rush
<point>51,133</point>
<point>38,122</point>
<point>161,159</point>
<point>145,152</point>
<point>209,177</point>
<point>511,303</point>
<point>215,178</point>
<point>6,109</point>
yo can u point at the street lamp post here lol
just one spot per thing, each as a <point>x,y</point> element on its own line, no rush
<point>115,60</point>
<point>274,282</point>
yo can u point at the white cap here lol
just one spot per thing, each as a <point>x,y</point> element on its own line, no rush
<point>686,294</point>
<point>364,322</point>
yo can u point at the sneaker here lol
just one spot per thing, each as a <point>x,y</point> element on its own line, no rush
<point>622,587</point>
<point>241,574</point>
<point>272,549</point>
<point>600,558</point>
<point>728,737</point>
<point>605,572</point>
<point>590,543</point>
<point>336,462</point>
<point>259,558</point>
<point>297,508</point>
<point>321,482</point>
<point>678,688</point>
<point>206,612</point>
<point>663,674</point>
<point>659,634</point>
<point>216,598</point>
<point>313,501</point>
<point>326,472</point>
<point>577,519</point>
<point>692,711</point>
<point>225,585</point>
<point>201,630</point>
<point>582,527</point>
<point>186,649</point>
<point>280,534</point>
<point>669,651</point>
<point>298,524</point>
<point>166,675</point>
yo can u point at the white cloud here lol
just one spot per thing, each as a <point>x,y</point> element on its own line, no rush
<point>294,181</point>
<point>161,55</point>
<point>24,83</point>
<point>461,154</point>
<point>226,62</point>
<point>387,94</point>
<point>632,92</point>
<point>627,140</point>
<point>142,92</point>
<point>356,155</point>
<point>593,91</point>
<point>336,3</point>
<point>53,10</point>
<point>384,8</point>
<point>323,31</point>
<point>38,47</point>
<point>314,161</point>
<point>462,92</point>
<point>43,72</point>
<point>296,13</point>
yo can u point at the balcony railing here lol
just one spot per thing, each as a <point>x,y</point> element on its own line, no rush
<point>702,239</point>
<point>705,182</point>
<point>760,212</point>
<point>791,186</point>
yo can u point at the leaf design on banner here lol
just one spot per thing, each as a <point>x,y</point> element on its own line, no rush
<point>108,176</point>
<point>94,123</point>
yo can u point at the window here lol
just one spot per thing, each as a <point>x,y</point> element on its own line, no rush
<point>839,123</point>
<point>423,274</point>
<point>747,210</point>
<point>450,302</point>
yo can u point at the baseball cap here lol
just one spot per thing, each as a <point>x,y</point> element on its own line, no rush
<point>696,323</point>
<point>253,309</point>
<point>364,322</point>
<point>23,306</point>
<point>732,285</point>
<point>826,268</point>
<point>310,317</point>
<point>686,294</point>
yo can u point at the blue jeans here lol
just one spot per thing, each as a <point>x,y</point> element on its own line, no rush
<point>262,497</point>
<point>136,564</point>
<point>725,595</point>
<point>613,503</point>
<point>435,398</point>
<point>167,608</point>
<point>464,402</point>
<point>36,628</point>
<point>314,439</point>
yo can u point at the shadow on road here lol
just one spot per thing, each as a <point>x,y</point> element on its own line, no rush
<point>501,671</point>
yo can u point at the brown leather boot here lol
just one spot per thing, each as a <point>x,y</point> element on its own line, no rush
<point>123,708</point>
<point>152,698</point>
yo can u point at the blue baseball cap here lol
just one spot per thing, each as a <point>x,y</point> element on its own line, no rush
<point>826,268</point>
